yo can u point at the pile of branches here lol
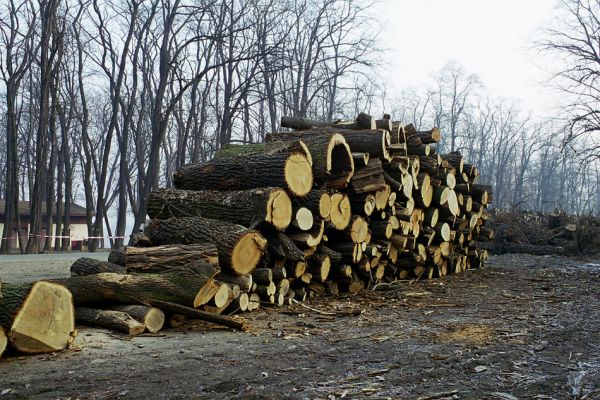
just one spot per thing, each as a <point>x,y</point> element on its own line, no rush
<point>544,233</point>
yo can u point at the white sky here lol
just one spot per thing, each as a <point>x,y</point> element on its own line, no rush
<point>493,39</point>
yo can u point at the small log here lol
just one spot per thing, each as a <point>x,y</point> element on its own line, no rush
<point>118,321</point>
<point>244,282</point>
<point>262,275</point>
<point>151,317</point>
<point>197,314</point>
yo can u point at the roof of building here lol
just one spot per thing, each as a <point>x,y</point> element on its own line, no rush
<point>76,210</point>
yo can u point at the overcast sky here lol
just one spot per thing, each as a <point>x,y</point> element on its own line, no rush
<point>491,38</point>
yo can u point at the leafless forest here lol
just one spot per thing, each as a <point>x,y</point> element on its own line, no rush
<point>102,100</point>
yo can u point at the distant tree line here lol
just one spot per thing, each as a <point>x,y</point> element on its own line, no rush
<point>102,100</point>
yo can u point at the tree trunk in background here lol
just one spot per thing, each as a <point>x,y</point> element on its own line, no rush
<point>48,21</point>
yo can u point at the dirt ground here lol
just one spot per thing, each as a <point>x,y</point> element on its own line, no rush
<point>524,327</point>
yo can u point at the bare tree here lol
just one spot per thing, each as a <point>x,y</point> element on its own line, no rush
<point>17,26</point>
<point>576,40</point>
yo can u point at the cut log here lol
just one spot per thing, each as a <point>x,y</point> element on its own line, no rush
<point>197,314</point>
<point>318,202</point>
<point>319,266</point>
<point>153,318</point>
<point>333,165</point>
<point>38,317</point>
<point>164,258</point>
<point>262,276</point>
<point>293,171</point>
<point>90,266</point>
<point>309,239</point>
<point>182,286</point>
<point>243,207</point>
<point>239,249</point>
<point>3,341</point>
<point>303,219</point>
<point>283,246</point>
<point>234,150</point>
<point>118,321</point>
<point>341,211</point>
<point>244,282</point>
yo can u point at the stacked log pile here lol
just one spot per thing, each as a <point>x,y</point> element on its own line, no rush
<point>324,208</point>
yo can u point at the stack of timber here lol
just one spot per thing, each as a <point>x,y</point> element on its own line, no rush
<point>324,208</point>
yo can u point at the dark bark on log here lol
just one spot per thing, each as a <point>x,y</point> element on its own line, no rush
<point>90,266</point>
<point>293,171</point>
<point>243,207</point>
<point>164,258</point>
<point>239,249</point>
<point>197,314</point>
<point>177,285</point>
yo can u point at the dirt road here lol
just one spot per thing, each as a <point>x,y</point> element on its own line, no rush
<point>525,327</point>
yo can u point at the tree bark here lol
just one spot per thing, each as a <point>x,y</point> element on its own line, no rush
<point>163,258</point>
<point>291,171</point>
<point>89,266</point>
<point>182,286</point>
<point>239,249</point>
<point>243,207</point>
<point>119,321</point>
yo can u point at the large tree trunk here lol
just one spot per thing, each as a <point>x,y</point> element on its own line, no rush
<point>243,207</point>
<point>163,258</point>
<point>239,249</point>
<point>37,317</point>
<point>291,171</point>
<point>181,286</point>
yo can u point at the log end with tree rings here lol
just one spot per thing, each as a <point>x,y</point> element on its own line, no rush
<point>279,209</point>
<point>325,205</point>
<point>247,252</point>
<point>298,174</point>
<point>453,203</point>
<point>451,181</point>
<point>44,320</point>
<point>303,219</point>
<point>341,211</point>
<point>359,229</point>
<point>339,158</point>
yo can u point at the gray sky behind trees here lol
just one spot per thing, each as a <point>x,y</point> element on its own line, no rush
<point>494,39</point>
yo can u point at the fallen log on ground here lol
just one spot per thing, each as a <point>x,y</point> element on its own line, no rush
<point>118,321</point>
<point>187,286</point>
